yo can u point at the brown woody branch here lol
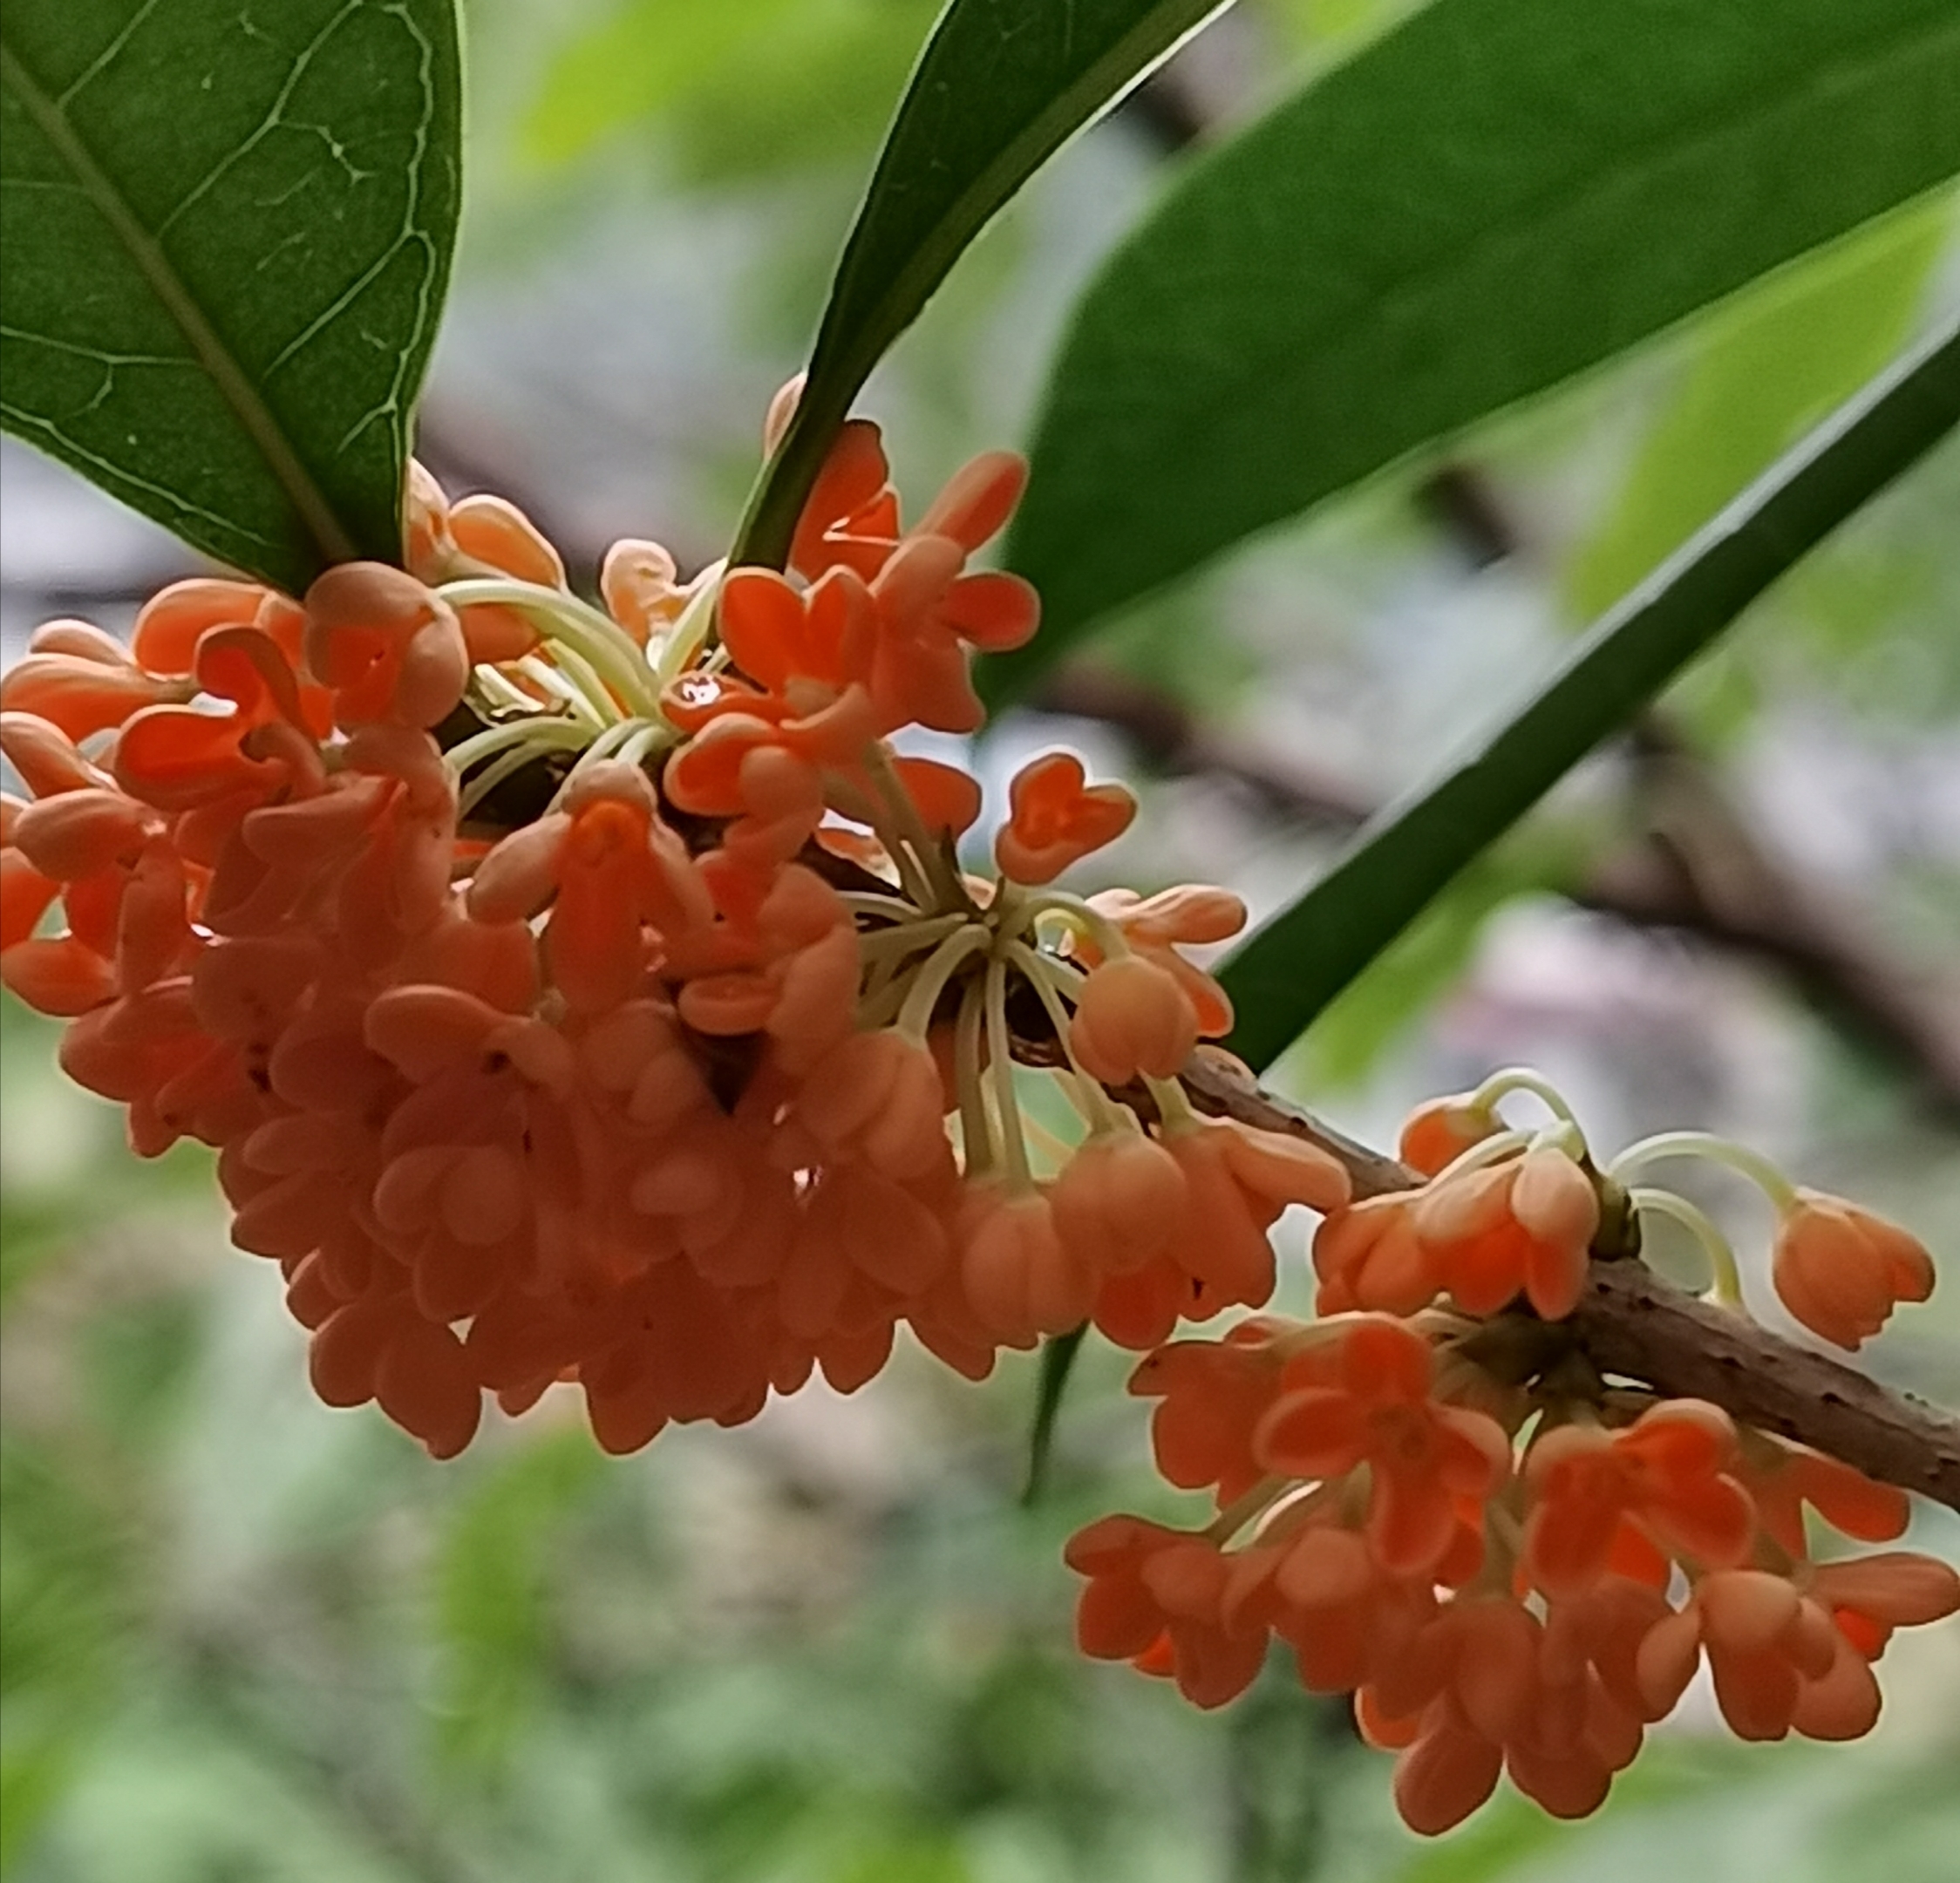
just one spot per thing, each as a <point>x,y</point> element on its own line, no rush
<point>1633,1324</point>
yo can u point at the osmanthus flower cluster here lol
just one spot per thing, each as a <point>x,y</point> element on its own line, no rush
<point>699,1078</point>
<point>1510,1564</point>
<point>593,995</point>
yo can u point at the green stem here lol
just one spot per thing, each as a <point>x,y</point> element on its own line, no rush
<point>1705,1145</point>
<point>908,826</point>
<point>564,689</point>
<point>590,682</point>
<point>977,1132</point>
<point>573,623</point>
<point>689,634</point>
<point>864,902</point>
<point>546,733</point>
<point>1521,1078</point>
<point>497,690</point>
<point>1000,1069</point>
<point>492,775</point>
<point>1174,1106</point>
<point>648,740</point>
<point>939,967</point>
<point>1028,909</point>
<point>1095,1104</point>
<point>1701,1226</point>
<point>906,938</point>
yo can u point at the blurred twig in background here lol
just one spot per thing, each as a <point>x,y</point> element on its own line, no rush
<point>1697,870</point>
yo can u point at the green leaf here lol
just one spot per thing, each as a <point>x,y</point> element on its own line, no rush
<point>1057,1362</point>
<point>1487,200</point>
<point>228,228</point>
<point>1286,974</point>
<point>1000,85</point>
<point>1786,354</point>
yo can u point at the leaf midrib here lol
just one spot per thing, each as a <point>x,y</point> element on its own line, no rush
<point>1286,365</point>
<point>335,543</point>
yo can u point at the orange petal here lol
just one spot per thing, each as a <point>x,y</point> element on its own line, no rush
<point>170,624</point>
<point>1444,1776</point>
<point>947,799</point>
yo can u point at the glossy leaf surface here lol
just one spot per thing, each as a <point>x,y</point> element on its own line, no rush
<point>1788,353</point>
<point>1488,200</point>
<point>1000,85</point>
<point>226,228</point>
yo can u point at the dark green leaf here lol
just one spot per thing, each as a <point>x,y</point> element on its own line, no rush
<point>1057,1362</point>
<point>228,228</point>
<point>1289,971</point>
<point>1487,200</point>
<point>1000,85</point>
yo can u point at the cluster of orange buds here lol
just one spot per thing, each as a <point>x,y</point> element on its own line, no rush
<point>1511,1565</point>
<point>700,1075</point>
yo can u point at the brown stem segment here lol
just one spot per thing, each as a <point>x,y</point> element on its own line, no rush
<point>1631,1321</point>
<point>1633,1324</point>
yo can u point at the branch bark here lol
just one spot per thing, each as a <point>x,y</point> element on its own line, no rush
<point>1634,1324</point>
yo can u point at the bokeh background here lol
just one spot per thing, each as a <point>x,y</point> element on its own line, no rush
<point>248,1640</point>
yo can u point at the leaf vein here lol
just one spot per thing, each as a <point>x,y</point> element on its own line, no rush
<point>111,474</point>
<point>108,55</point>
<point>215,357</point>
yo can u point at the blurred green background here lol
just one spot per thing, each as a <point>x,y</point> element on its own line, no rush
<point>246,1638</point>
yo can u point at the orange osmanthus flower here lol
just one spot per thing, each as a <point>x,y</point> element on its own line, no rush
<point>1840,1270</point>
<point>1765,1645</point>
<point>1211,1396</point>
<point>591,999</point>
<point>1057,818</point>
<point>1441,1130</point>
<point>1668,1475</point>
<point>1523,1226</point>
<point>1369,1256</point>
<point>1376,1408</point>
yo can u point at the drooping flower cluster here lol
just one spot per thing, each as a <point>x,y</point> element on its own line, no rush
<point>597,996</point>
<point>697,1072</point>
<point>1511,1565</point>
